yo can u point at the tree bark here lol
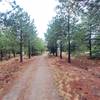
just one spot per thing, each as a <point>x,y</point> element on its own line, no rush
<point>69,45</point>
<point>90,43</point>
<point>1,53</point>
<point>14,54</point>
<point>21,47</point>
<point>61,49</point>
<point>9,55</point>
<point>56,51</point>
<point>29,51</point>
<point>53,51</point>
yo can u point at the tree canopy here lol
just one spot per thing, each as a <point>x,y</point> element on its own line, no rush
<point>18,33</point>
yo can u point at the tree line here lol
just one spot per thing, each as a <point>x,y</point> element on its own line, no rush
<point>18,34</point>
<point>75,28</point>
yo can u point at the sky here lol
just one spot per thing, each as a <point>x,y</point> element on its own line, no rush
<point>41,11</point>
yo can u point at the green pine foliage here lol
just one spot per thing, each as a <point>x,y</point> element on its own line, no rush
<point>77,24</point>
<point>18,34</point>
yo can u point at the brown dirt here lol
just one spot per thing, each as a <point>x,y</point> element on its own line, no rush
<point>79,80</point>
<point>35,83</point>
<point>10,71</point>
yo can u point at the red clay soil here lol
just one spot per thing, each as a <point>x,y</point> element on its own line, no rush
<point>9,72</point>
<point>79,80</point>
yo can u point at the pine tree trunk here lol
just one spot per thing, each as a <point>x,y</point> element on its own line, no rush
<point>9,55</point>
<point>6,54</point>
<point>29,51</point>
<point>53,51</point>
<point>56,50</point>
<point>69,45</point>
<point>90,43</point>
<point>14,54</point>
<point>1,53</point>
<point>61,49</point>
<point>21,50</point>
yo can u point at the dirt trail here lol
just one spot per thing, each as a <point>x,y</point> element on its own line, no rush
<point>36,83</point>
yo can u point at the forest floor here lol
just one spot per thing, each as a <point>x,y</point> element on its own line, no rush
<point>11,70</point>
<point>50,78</point>
<point>79,80</point>
<point>32,80</point>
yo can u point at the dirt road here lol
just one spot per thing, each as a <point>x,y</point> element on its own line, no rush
<point>36,83</point>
